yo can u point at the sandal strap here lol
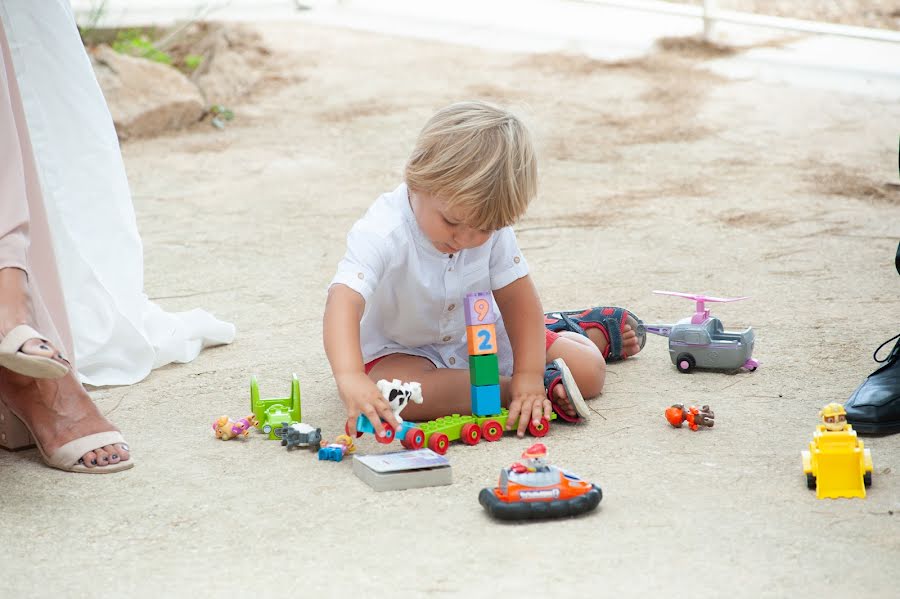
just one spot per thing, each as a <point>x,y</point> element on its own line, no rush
<point>69,454</point>
<point>17,337</point>
<point>552,378</point>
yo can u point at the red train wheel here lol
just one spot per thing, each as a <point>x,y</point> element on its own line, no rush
<point>414,439</point>
<point>438,443</point>
<point>470,434</point>
<point>388,434</point>
<point>491,430</point>
<point>540,429</point>
<point>347,430</point>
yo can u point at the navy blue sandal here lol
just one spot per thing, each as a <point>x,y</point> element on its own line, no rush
<point>609,320</point>
<point>558,373</point>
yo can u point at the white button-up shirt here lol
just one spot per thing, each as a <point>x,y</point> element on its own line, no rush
<point>414,293</point>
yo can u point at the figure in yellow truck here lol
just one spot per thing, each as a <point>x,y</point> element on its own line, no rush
<point>837,464</point>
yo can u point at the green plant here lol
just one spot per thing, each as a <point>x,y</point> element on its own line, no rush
<point>192,61</point>
<point>221,115</point>
<point>93,17</point>
<point>135,42</point>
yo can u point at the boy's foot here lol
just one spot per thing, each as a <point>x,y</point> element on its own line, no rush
<point>563,392</point>
<point>56,411</point>
<point>616,332</point>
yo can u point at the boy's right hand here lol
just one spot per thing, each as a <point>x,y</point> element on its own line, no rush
<point>361,396</point>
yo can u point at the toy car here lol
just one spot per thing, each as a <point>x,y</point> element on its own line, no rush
<point>837,464</point>
<point>537,490</point>
<point>270,412</point>
<point>336,451</point>
<point>701,340</point>
<point>299,434</point>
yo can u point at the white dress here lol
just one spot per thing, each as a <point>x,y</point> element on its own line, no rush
<point>119,334</point>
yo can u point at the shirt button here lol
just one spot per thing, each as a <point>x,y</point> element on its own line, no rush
<point>447,338</point>
<point>517,259</point>
<point>452,361</point>
<point>360,275</point>
<point>451,307</point>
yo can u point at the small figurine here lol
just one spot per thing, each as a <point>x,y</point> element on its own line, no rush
<point>336,451</point>
<point>677,415</point>
<point>534,489</point>
<point>225,429</point>
<point>398,394</point>
<point>299,434</point>
<point>535,460</point>
<point>701,341</point>
<point>837,463</point>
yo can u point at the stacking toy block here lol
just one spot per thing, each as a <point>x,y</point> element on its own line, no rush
<point>485,400</point>
<point>479,308</point>
<point>484,370</point>
<point>482,339</point>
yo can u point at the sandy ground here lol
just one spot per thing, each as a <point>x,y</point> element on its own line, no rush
<point>655,175</point>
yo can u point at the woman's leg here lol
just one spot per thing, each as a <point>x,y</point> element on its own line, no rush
<point>56,411</point>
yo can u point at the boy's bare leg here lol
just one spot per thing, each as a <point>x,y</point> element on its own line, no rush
<point>585,359</point>
<point>446,390</point>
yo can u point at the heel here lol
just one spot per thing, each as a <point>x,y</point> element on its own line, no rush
<point>13,432</point>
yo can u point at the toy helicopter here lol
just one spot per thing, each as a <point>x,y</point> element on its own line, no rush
<point>701,341</point>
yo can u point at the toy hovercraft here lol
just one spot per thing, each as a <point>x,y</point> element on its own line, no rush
<point>536,490</point>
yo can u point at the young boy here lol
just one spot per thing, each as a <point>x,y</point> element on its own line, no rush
<point>394,308</point>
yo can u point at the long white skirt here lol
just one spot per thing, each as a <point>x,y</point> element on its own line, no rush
<point>119,334</point>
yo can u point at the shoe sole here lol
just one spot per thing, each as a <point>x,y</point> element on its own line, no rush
<point>572,392</point>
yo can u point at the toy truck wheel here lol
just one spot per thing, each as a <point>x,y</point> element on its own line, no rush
<point>414,439</point>
<point>540,429</point>
<point>267,428</point>
<point>470,434</point>
<point>867,479</point>
<point>388,434</point>
<point>685,363</point>
<point>810,482</point>
<point>438,443</point>
<point>491,430</point>
<point>347,430</point>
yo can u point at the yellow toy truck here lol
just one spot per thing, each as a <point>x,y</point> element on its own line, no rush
<point>837,464</point>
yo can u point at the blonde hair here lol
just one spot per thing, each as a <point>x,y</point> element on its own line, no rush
<point>477,157</point>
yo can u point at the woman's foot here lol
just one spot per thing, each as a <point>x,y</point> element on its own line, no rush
<point>58,411</point>
<point>15,309</point>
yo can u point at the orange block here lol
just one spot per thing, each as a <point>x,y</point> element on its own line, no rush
<point>482,339</point>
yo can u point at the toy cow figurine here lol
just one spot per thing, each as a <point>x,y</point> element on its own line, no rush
<point>398,394</point>
<point>678,414</point>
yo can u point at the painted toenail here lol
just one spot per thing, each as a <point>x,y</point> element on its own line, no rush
<point>94,462</point>
<point>124,446</point>
<point>44,346</point>
<point>115,457</point>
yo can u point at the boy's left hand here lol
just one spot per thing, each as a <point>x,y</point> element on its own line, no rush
<point>528,402</point>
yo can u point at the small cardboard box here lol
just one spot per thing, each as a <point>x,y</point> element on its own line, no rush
<point>403,470</point>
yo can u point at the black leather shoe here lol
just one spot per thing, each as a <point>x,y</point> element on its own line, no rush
<point>874,407</point>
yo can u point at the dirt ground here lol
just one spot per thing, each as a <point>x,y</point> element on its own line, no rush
<point>880,14</point>
<point>655,174</point>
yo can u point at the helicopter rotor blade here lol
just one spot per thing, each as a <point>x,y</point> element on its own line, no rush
<point>702,298</point>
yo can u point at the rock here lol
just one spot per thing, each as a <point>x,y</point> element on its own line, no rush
<point>145,98</point>
<point>235,59</point>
